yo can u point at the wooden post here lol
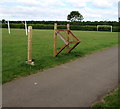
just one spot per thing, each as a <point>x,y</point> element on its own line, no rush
<point>30,45</point>
<point>55,38</point>
<point>68,28</point>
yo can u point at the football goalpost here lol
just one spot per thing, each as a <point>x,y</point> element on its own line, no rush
<point>8,27</point>
<point>8,23</point>
<point>104,26</point>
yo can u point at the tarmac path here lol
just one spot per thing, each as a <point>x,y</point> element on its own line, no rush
<point>75,84</point>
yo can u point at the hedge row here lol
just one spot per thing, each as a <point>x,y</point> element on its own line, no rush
<point>92,23</point>
<point>73,27</point>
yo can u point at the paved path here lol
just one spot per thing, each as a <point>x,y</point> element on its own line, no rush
<point>75,84</point>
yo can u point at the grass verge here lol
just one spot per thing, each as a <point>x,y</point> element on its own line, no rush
<point>110,101</point>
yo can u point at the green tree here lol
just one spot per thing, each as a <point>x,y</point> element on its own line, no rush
<point>75,16</point>
<point>3,21</point>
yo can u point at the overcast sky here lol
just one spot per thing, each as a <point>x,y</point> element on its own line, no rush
<point>92,10</point>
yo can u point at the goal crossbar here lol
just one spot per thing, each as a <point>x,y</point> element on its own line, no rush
<point>104,26</point>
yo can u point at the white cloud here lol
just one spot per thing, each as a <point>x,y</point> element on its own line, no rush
<point>58,9</point>
<point>105,3</point>
<point>102,4</point>
<point>100,14</point>
<point>97,3</point>
<point>25,2</point>
<point>76,3</point>
<point>38,13</point>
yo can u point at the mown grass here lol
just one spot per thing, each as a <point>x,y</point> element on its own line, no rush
<point>110,101</point>
<point>15,50</point>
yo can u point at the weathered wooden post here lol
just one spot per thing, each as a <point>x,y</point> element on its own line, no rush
<point>68,26</point>
<point>67,41</point>
<point>29,61</point>
<point>68,29</point>
<point>55,38</point>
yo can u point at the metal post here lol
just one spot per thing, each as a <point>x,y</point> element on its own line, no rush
<point>26,28</point>
<point>97,28</point>
<point>111,28</point>
<point>8,27</point>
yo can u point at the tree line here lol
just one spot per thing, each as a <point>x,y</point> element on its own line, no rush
<point>82,23</point>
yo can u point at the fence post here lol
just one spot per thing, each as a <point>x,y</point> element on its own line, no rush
<point>68,29</point>
<point>29,61</point>
<point>55,38</point>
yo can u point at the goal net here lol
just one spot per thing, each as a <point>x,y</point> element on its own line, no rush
<point>104,26</point>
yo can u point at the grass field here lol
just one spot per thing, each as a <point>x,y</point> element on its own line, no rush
<point>15,50</point>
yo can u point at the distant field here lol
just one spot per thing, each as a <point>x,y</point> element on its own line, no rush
<point>15,50</point>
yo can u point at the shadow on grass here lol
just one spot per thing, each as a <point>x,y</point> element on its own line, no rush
<point>50,61</point>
